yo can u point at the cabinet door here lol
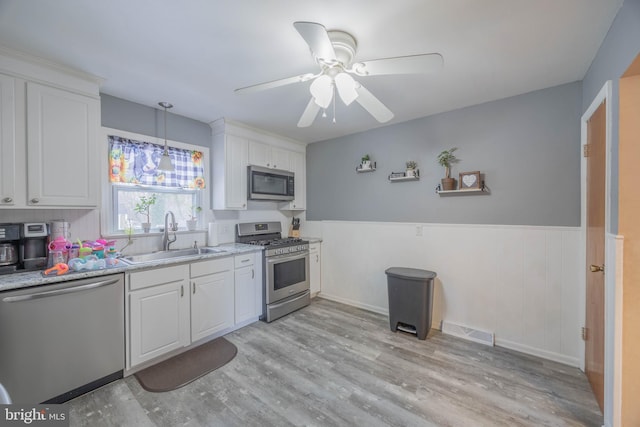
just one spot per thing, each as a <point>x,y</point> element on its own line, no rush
<point>61,147</point>
<point>7,141</point>
<point>235,184</point>
<point>315,263</point>
<point>211,304</point>
<point>280,158</point>
<point>259,154</point>
<point>297,164</point>
<point>245,294</point>
<point>159,320</point>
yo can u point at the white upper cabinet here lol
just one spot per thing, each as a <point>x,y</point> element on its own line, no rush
<point>235,146</point>
<point>268,156</point>
<point>49,121</point>
<point>297,165</point>
<point>229,172</point>
<point>61,147</point>
<point>9,194</point>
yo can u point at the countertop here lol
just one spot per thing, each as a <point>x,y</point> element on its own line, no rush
<point>35,278</point>
<point>312,239</point>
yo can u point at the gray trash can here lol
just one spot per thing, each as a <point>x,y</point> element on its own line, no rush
<point>410,299</point>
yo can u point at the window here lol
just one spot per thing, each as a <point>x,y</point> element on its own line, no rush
<point>133,173</point>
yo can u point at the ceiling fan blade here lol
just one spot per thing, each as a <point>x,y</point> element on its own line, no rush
<point>318,40</point>
<point>275,83</point>
<point>322,90</point>
<point>346,87</point>
<point>373,105</point>
<point>309,114</point>
<point>414,64</point>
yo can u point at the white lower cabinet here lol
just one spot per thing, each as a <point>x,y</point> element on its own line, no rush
<point>158,312</point>
<point>248,284</point>
<point>169,308</point>
<point>315,268</point>
<point>211,297</point>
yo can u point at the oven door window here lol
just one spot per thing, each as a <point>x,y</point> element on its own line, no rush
<point>288,273</point>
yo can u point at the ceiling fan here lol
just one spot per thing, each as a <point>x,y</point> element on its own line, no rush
<point>334,52</point>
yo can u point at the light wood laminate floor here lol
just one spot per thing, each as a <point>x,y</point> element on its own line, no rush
<point>334,365</point>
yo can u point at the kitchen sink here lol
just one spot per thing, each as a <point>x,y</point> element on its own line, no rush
<point>170,254</point>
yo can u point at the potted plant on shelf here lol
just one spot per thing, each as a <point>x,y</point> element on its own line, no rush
<point>445,159</point>
<point>193,222</point>
<point>366,162</point>
<point>143,207</point>
<point>411,168</point>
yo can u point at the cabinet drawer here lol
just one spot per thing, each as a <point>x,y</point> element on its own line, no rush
<point>244,260</point>
<point>203,268</point>
<point>158,276</point>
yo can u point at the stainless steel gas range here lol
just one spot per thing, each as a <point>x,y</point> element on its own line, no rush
<point>286,268</point>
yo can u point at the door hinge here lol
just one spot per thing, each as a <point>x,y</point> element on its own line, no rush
<point>586,149</point>
<point>584,333</point>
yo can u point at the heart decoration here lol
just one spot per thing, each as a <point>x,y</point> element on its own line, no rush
<point>469,180</point>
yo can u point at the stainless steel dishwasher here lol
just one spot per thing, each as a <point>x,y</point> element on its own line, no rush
<point>59,341</point>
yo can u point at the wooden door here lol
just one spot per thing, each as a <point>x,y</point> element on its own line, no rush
<point>594,340</point>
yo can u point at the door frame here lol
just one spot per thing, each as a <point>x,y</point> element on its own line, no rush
<point>610,313</point>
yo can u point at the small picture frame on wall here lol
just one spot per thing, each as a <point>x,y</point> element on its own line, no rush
<point>470,180</point>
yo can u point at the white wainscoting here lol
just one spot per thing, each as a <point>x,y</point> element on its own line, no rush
<point>519,282</point>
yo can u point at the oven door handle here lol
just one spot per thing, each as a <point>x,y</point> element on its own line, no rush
<point>285,258</point>
<point>69,290</point>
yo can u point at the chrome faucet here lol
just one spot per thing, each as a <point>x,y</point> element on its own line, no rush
<point>166,241</point>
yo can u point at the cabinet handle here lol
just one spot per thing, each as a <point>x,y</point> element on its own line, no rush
<point>275,166</point>
<point>181,291</point>
<point>253,273</point>
<point>245,260</point>
<point>317,258</point>
<point>268,165</point>
<point>194,288</point>
<point>7,200</point>
<point>35,200</point>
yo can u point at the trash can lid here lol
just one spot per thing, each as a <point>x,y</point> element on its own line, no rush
<point>410,273</point>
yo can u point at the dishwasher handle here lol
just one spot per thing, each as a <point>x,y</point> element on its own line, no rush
<point>69,290</point>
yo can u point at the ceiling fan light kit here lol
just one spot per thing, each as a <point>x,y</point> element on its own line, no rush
<point>334,52</point>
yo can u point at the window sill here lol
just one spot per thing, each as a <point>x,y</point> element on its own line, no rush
<point>150,234</point>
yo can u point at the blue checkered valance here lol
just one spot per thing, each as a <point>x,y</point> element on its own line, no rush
<point>136,162</point>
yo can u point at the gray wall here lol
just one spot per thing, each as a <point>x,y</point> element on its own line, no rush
<point>125,115</point>
<point>527,146</point>
<point>616,53</point>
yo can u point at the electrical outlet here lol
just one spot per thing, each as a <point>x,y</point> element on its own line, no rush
<point>418,230</point>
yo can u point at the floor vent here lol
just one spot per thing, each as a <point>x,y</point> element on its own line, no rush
<point>482,337</point>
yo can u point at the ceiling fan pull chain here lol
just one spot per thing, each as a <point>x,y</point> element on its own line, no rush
<point>334,102</point>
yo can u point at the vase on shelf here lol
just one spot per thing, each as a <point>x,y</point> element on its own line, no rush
<point>448,184</point>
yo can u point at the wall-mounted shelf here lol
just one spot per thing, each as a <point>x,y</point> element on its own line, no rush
<point>481,190</point>
<point>402,176</point>
<point>360,169</point>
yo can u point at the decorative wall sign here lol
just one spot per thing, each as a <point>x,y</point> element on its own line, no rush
<point>470,180</point>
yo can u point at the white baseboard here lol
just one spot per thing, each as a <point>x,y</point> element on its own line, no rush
<point>353,303</point>
<point>556,357</point>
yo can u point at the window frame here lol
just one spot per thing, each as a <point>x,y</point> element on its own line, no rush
<point>108,209</point>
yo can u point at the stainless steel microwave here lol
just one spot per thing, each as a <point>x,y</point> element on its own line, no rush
<point>270,184</point>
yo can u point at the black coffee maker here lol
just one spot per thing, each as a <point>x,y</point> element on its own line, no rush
<point>9,248</point>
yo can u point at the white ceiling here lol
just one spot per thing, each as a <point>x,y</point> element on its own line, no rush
<point>194,53</point>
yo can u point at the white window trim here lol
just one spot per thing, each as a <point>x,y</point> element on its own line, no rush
<point>106,207</point>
